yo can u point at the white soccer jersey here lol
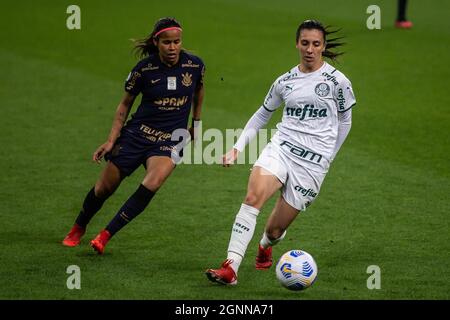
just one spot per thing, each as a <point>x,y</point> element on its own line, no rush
<point>308,129</point>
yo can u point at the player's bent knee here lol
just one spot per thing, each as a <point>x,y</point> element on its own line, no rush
<point>103,190</point>
<point>102,193</point>
<point>252,199</point>
<point>154,183</point>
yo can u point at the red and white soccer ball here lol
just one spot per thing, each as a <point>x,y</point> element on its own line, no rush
<point>296,270</point>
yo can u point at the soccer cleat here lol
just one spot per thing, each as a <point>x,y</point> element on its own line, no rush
<point>263,258</point>
<point>403,24</point>
<point>225,275</point>
<point>100,241</point>
<point>73,238</point>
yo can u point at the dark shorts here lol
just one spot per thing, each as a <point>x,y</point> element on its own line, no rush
<point>129,153</point>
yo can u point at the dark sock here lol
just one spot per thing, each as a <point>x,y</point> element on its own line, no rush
<point>131,209</point>
<point>91,206</point>
<point>401,12</point>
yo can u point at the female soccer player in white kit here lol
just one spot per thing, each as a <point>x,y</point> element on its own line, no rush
<point>316,120</point>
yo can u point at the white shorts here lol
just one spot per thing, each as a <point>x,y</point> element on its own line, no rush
<point>301,186</point>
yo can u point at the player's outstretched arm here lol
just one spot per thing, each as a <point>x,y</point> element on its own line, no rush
<point>259,119</point>
<point>120,117</point>
<point>345,123</point>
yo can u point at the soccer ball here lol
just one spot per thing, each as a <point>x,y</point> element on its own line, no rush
<point>296,270</point>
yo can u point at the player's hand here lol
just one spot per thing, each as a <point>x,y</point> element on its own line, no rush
<point>230,157</point>
<point>101,151</point>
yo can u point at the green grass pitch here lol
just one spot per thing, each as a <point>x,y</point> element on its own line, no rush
<point>385,201</point>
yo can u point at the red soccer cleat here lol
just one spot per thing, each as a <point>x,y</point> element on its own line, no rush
<point>225,275</point>
<point>403,24</point>
<point>264,258</point>
<point>100,241</point>
<point>73,238</point>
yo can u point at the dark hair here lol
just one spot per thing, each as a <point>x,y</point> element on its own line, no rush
<point>329,43</point>
<point>145,47</point>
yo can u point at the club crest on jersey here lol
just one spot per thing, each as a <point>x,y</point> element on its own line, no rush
<point>322,89</point>
<point>187,79</point>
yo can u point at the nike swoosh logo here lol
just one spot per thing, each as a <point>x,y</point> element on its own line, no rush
<point>155,81</point>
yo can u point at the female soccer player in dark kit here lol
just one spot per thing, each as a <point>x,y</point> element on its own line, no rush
<point>171,82</point>
<point>318,101</point>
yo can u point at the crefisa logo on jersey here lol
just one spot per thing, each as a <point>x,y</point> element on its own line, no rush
<point>306,192</point>
<point>322,89</point>
<point>340,98</point>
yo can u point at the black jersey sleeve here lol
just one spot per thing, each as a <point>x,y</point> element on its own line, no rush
<point>201,69</point>
<point>133,83</point>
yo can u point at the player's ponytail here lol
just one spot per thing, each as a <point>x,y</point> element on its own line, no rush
<point>145,47</point>
<point>330,44</point>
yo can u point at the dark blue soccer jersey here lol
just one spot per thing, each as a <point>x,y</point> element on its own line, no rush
<point>166,96</point>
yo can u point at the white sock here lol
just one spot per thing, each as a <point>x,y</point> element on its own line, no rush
<point>266,242</point>
<point>241,234</point>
